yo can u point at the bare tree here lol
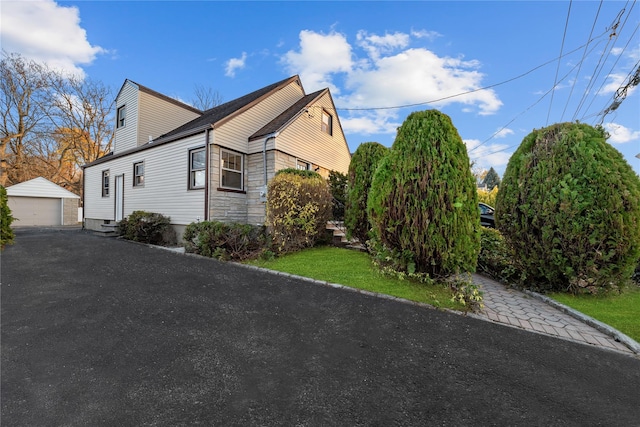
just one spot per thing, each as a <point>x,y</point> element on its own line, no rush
<point>23,86</point>
<point>206,97</point>
<point>52,123</point>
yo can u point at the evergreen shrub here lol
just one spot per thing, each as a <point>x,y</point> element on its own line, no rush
<point>423,202</point>
<point>338,188</point>
<point>488,197</point>
<point>226,241</point>
<point>298,208</point>
<point>147,227</point>
<point>361,169</point>
<point>569,207</point>
<point>7,235</point>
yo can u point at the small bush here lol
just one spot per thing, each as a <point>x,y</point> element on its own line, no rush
<point>298,208</point>
<point>147,227</point>
<point>6,232</point>
<point>488,197</point>
<point>227,241</point>
<point>299,172</point>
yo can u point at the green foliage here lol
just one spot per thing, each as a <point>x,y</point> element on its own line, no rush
<point>298,208</point>
<point>467,294</point>
<point>300,172</point>
<point>423,202</point>
<point>147,227</point>
<point>361,169</point>
<point>569,207</point>
<point>491,180</point>
<point>496,258</point>
<point>227,241</point>
<point>338,189</point>
<point>6,232</point>
<point>488,197</point>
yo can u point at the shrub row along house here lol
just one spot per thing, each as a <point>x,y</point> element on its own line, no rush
<point>190,165</point>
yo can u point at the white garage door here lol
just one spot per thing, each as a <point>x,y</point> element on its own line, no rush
<point>35,211</point>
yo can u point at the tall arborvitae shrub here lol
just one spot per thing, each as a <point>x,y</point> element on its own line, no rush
<point>6,232</point>
<point>569,206</point>
<point>338,187</point>
<point>361,169</point>
<point>298,208</point>
<point>423,203</point>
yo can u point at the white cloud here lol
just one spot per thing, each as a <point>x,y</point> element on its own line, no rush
<point>424,34</point>
<point>620,134</point>
<point>320,55</point>
<point>388,72</point>
<point>48,33</point>
<point>503,133</point>
<point>613,84</point>
<point>234,64</point>
<point>487,156</point>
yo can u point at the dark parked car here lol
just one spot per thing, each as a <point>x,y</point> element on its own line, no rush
<point>486,215</point>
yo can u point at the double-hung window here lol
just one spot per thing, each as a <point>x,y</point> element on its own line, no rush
<point>327,123</point>
<point>231,175</point>
<point>197,163</point>
<point>138,174</point>
<point>121,116</point>
<point>105,183</point>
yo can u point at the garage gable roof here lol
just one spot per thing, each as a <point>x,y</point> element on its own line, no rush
<point>40,187</point>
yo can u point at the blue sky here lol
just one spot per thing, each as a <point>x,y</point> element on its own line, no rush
<point>486,59</point>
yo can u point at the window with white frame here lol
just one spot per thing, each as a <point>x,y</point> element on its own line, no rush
<point>231,175</point>
<point>301,165</point>
<point>138,174</point>
<point>105,183</point>
<point>197,164</point>
<point>121,116</point>
<point>327,123</point>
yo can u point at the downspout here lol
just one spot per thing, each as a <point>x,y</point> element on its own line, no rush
<point>264,164</point>
<point>206,174</point>
<point>82,199</point>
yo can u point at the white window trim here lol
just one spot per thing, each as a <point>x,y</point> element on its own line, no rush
<point>122,108</point>
<point>105,188</point>
<point>191,170</point>
<point>241,171</point>
<point>135,183</point>
<point>328,131</point>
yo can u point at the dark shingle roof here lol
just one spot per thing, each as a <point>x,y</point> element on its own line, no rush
<point>277,123</point>
<point>225,110</point>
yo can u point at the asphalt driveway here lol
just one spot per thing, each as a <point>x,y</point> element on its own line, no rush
<point>99,331</point>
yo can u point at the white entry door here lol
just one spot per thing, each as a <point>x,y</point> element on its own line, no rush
<point>119,196</point>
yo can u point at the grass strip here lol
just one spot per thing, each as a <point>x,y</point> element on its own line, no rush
<point>355,269</point>
<point>621,311</point>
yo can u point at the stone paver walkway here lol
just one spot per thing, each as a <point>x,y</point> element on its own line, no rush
<point>514,308</point>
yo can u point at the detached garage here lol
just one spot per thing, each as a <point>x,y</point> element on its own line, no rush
<point>41,202</point>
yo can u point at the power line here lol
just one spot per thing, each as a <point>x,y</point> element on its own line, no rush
<point>474,90</point>
<point>555,81</point>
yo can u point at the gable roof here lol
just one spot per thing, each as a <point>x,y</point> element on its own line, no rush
<point>287,115</point>
<point>152,92</point>
<point>40,187</point>
<point>229,109</point>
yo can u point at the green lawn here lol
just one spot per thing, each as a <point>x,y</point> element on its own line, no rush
<point>619,311</point>
<point>354,269</point>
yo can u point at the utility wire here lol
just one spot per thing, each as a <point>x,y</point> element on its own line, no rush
<point>555,81</point>
<point>474,90</point>
<point>584,54</point>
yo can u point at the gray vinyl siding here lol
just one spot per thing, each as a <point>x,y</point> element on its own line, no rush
<point>126,137</point>
<point>157,117</point>
<point>305,140</point>
<point>234,134</point>
<point>165,189</point>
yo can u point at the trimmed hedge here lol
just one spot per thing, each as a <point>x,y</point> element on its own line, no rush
<point>569,207</point>
<point>423,203</point>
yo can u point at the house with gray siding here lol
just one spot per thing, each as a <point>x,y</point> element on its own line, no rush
<point>193,165</point>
